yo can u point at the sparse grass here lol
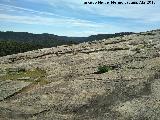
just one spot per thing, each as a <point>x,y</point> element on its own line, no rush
<point>34,75</point>
<point>41,81</point>
<point>103,69</point>
<point>37,77</point>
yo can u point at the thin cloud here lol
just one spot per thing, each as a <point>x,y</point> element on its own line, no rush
<point>40,13</point>
<point>135,12</point>
<point>74,18</point>
<point>47,21</point>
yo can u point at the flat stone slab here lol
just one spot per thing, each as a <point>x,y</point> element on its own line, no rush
<point>8,87</point>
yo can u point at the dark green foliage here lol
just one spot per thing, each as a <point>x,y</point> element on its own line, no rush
<point>45,40</point>
<point>150,33</point>
<point>51,40</point>
<point>18,42</point>
<point>106,36</point>
<point>104,69</point>
<point>12,47</point>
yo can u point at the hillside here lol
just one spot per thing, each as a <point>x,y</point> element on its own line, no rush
<point>111,79</point>
<point>13,47</point>
<point>19,42</point>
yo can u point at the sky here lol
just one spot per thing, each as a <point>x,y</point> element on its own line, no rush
<point>74,18</point>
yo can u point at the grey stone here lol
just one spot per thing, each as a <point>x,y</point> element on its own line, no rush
<point>75,90</point>
<point>8,88</point>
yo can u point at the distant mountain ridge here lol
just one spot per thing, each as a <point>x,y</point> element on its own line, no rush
<point>37,41</point>
<point>50,40</point>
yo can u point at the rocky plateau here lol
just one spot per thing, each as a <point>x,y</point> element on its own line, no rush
<point>62,83</point>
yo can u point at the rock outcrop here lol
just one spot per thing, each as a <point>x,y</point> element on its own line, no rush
<point>62,83</point>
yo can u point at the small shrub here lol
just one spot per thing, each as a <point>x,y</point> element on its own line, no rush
<point>150,33</point>
<point>104,69</point>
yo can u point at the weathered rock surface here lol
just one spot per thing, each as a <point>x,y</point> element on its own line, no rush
<point>62,83</point>
<point>9,88</point>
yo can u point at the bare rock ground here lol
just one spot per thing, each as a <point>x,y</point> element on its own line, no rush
<point>62,83</point>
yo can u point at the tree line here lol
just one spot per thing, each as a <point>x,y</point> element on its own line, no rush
<point>18,42</point>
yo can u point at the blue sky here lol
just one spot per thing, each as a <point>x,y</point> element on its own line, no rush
<point>73,18</point>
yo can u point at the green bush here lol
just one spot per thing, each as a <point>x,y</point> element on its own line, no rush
<point>104,69</point>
